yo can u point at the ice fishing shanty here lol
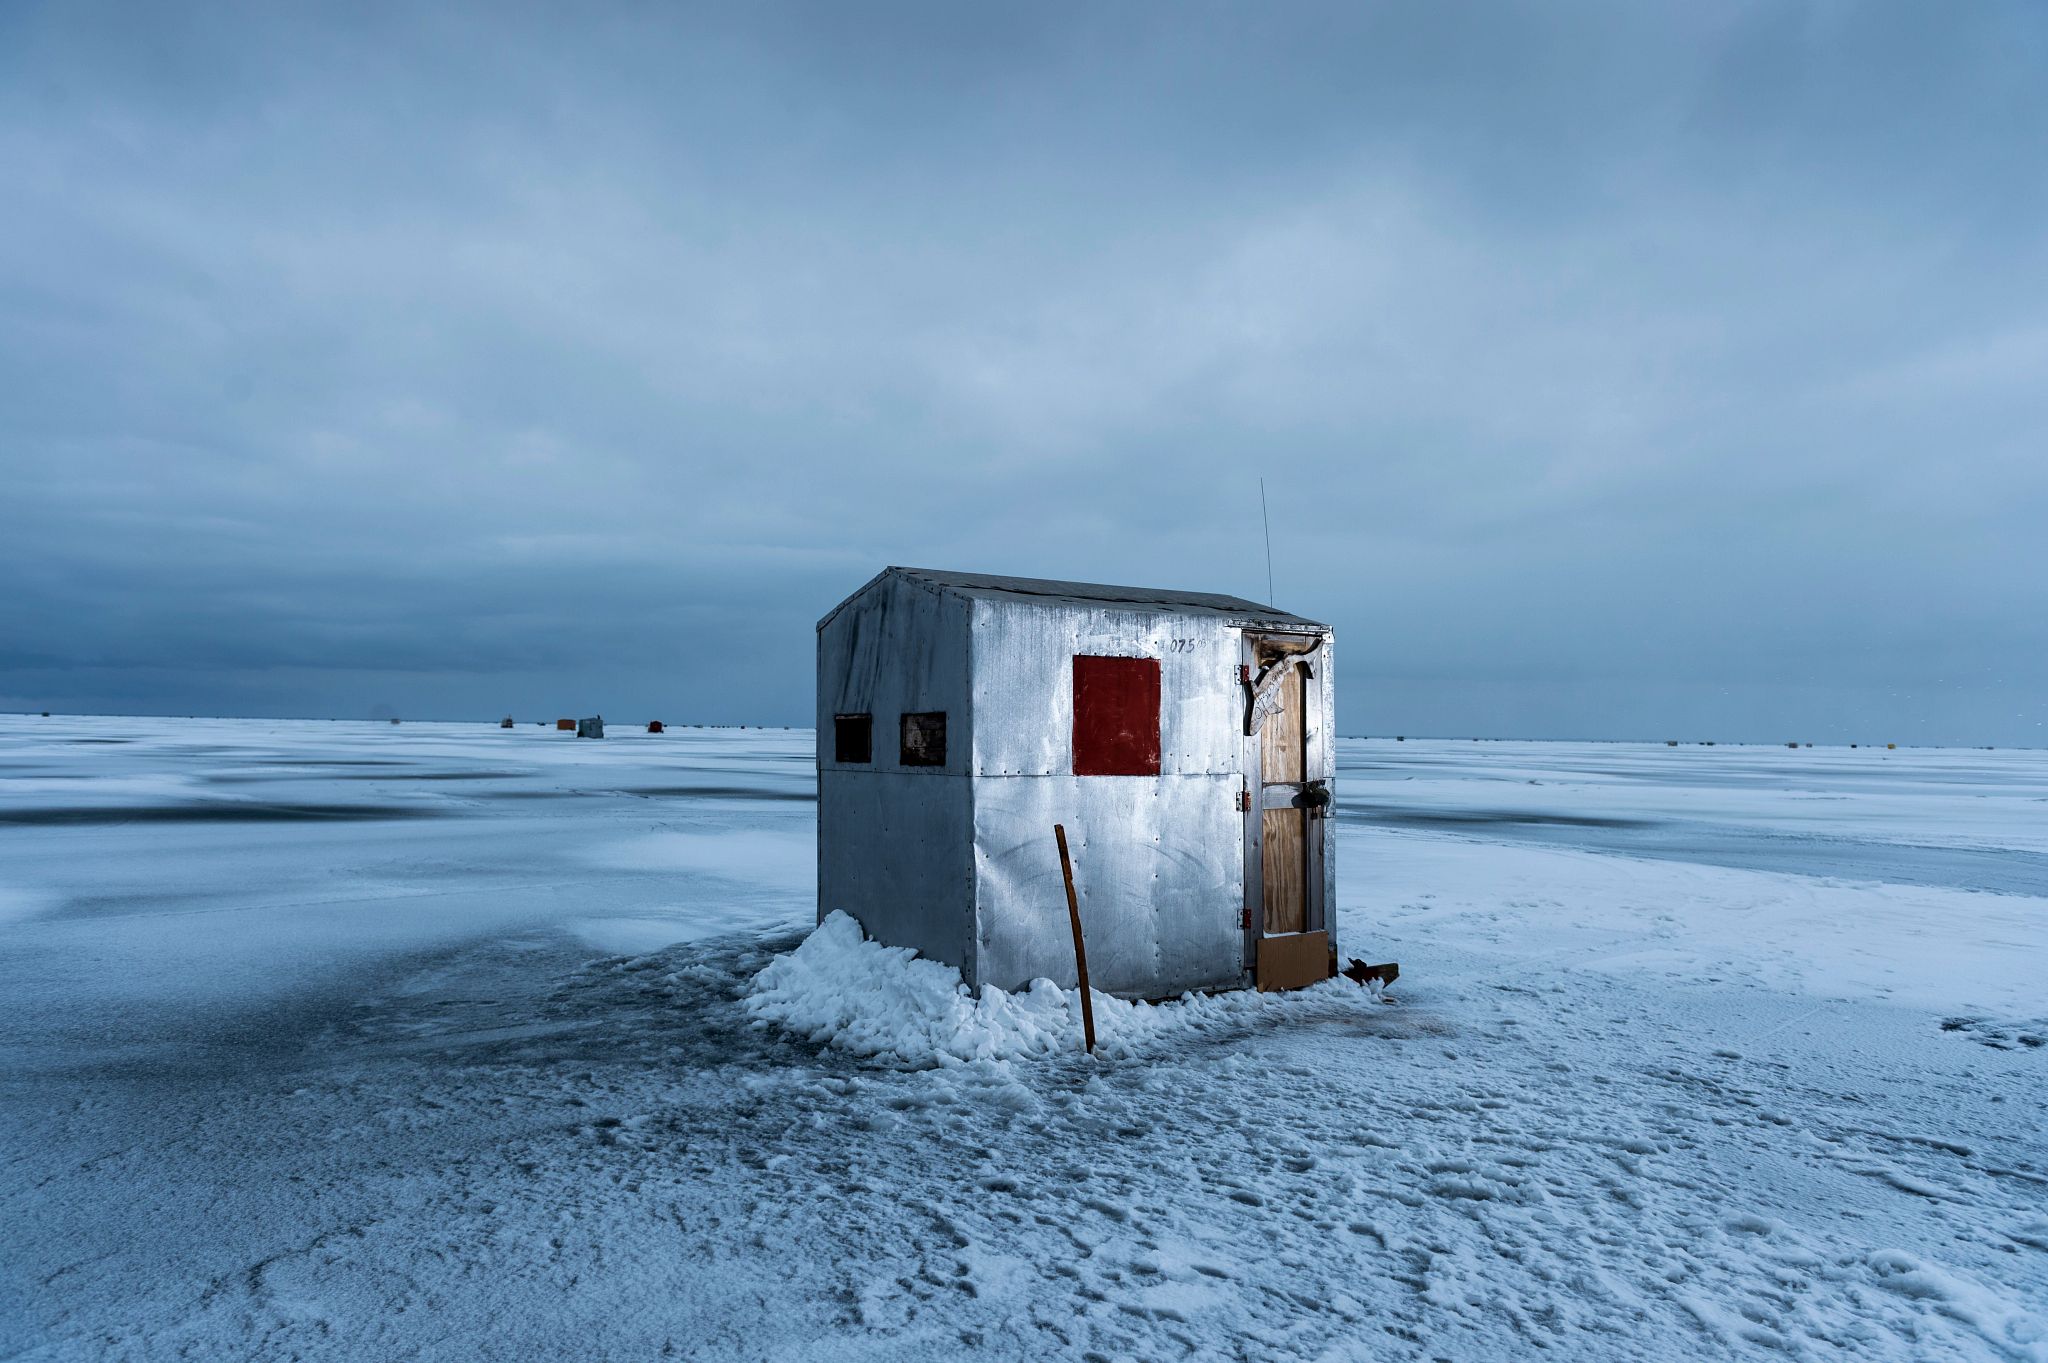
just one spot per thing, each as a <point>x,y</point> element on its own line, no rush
<point>1183,739</point>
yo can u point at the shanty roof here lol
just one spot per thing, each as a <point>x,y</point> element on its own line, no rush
<point>1049,592</point>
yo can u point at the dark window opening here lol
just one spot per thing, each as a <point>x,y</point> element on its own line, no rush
<point>1116,716</point>
<point>853,738</point>
<point>924,739</point>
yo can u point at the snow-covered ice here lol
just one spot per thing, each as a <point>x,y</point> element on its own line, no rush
<point>443,1041</point>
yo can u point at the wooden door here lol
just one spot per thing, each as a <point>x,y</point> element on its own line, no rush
<point>1283,832</point>
<point>1284,828</point>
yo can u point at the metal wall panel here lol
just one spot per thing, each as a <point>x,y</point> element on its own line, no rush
<point>1158,867</point>
<point>895,844</point>
<point>1023,684</point>
<point>896,648</point>
<point>896,850</point>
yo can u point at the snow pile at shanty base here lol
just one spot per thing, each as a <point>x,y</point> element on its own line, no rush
<point>890,1004</point>
<point>425,1042</point>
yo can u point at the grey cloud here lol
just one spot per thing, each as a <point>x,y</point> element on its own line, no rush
<point>1613,369</point>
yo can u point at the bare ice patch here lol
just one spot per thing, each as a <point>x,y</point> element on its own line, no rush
<point>764,858</point>
<point>18,903</point>
<point>638,936</point>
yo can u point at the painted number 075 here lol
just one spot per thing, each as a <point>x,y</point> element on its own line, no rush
<point>1180,646</point>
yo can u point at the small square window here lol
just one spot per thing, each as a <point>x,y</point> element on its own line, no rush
<point>853,738</point>
<point>924,739</point>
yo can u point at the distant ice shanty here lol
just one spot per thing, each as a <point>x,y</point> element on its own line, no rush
<point>1183,740</point>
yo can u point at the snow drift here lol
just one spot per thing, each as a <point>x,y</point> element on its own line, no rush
<point>887,1003</point>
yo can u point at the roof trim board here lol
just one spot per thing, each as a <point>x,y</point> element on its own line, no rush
<point>1050,591</point>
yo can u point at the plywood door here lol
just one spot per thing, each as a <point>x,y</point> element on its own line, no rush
<point>1283,768</point>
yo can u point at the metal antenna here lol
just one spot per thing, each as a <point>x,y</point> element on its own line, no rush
<point>1267,522</point>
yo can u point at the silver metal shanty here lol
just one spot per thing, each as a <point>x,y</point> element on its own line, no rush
<point>951,738</point>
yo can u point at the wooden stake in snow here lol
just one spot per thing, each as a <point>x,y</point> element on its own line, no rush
<point>1080,948</point>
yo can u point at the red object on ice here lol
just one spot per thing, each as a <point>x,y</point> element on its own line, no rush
<point>654,726</point>
<point>1116,716</point>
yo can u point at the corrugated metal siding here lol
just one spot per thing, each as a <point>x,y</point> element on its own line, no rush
<point>896,649</point>
<point>896,845</point>
<point>1158,866</point>
<point>896,850</point>
<point>1023,685</point>
<point>1159,860</point>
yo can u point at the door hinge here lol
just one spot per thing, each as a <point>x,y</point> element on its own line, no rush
<point>1244,801</point>
<point>1244,920</point>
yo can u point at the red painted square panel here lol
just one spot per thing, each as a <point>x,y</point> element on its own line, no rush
<point>1116,716</point>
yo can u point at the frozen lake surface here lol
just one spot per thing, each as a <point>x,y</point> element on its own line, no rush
<point>361,1041</point>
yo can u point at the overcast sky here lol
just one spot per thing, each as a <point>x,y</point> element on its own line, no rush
<point>1615,371</point>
